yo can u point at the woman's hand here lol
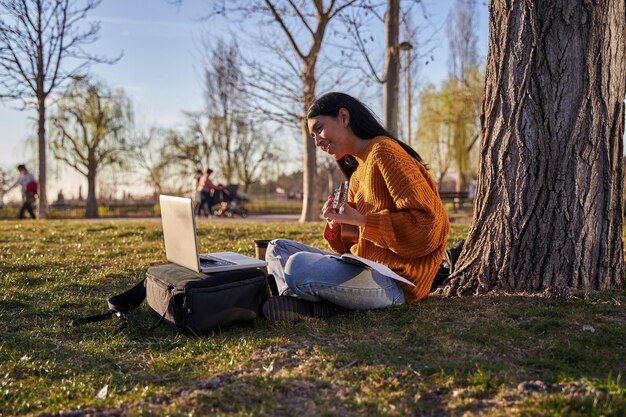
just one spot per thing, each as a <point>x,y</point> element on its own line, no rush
<point>350,215</point>
<point>328,209</point>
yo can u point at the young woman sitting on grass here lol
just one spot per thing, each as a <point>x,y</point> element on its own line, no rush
<point>393,201</point>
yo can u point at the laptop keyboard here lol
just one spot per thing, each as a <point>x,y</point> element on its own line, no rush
<point>209,260</point>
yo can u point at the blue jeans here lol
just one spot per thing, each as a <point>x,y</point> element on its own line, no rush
<point>312,274</point>
<point>205,199</point>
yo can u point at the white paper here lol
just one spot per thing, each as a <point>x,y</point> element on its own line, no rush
<point>357,260</point>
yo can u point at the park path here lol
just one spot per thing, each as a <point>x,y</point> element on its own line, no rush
<point>253,218</point>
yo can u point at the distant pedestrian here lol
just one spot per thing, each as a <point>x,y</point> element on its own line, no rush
<point>196,190</point>
<point>29,191</point>
<point>207,188</point>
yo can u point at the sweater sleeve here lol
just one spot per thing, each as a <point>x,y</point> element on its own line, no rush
<point>335,242</point>
<point>415,227</point>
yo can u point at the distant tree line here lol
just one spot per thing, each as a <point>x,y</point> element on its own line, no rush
<point>242,93</point>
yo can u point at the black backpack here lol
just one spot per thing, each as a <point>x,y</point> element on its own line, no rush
<point>189,301</point>
<point>448,264</point>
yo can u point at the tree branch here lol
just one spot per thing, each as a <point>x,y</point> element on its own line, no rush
<point>301,16</point>
<point>282,24</point>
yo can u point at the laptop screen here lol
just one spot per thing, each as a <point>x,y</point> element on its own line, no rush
<point>179,231</point>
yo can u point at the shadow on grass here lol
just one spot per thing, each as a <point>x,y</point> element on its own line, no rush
<point>426,356</point>
<point>441,357</point>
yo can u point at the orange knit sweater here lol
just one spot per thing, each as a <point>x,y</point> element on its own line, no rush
<point>406,224</point>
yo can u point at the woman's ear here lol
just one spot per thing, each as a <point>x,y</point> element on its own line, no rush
<point>344,117</point>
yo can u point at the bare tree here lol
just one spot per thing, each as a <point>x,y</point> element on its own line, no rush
<point>300,57</point>
<point>37,39</point>
<point>146,153</point>
<point>255,151</point>
<point>464,77</point>
<point>188,150</point>
<point>182,152</point>
<point>361,23</point>
<point>548,213</point>
<point>239,149</point>
<point>224,100</point>
<point>358,23</point>
<point>89,131</point>
<point>462,31</point>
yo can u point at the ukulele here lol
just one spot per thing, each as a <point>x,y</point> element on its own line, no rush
<point>349,232</point>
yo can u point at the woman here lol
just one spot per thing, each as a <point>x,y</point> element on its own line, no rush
<point>393,201</point>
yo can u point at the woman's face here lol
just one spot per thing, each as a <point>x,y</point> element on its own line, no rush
<point>331,134</point>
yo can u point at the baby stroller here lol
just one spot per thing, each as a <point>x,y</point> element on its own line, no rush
<point>230,203</point>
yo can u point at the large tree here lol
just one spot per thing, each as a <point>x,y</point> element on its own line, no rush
<point>90,126</point>
<point>42,45</point>
<point>391,79</point>
<point>548,213</point>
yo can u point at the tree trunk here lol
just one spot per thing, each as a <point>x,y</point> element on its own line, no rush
<point>548,212</point>
<point>92,202</point>
<point>391,86</point>
<point>310,204</point>
<point>41,140</point>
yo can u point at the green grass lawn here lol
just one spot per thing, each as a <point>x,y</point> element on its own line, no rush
<point>493,355</point>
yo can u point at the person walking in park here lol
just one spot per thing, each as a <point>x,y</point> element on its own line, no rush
<point>28,184</point>
<point>207,188</point>
<point>197,198</point>
<point>393,200</point>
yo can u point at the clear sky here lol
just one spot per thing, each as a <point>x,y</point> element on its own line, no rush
<point>160,68</point>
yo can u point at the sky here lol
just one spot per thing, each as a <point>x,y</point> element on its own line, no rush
<point>160,68</point>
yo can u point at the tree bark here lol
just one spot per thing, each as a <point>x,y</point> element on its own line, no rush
<point>391,86</point>
<point>43,169</point>
<point>91,211</point>
<point>310,204</point>
<point>548,213</point>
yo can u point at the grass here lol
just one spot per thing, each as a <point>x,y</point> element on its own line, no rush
<point>505,355</point>
<point>257,205</point>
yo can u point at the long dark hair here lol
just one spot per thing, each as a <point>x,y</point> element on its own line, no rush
<point>362,122</point>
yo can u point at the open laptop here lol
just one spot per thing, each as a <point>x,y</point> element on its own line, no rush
<point>181,242</point>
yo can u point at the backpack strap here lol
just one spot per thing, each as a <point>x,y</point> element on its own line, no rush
<point>121,306</point>
<point>92,319</point>
<point>448,265</point>
<point>128,300</point>
<point>452,255</point>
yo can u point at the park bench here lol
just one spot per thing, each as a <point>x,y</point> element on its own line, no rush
<point>457,197</point>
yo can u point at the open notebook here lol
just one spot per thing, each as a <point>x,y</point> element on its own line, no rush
<point>181,241</point>
<point>366,263</point>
